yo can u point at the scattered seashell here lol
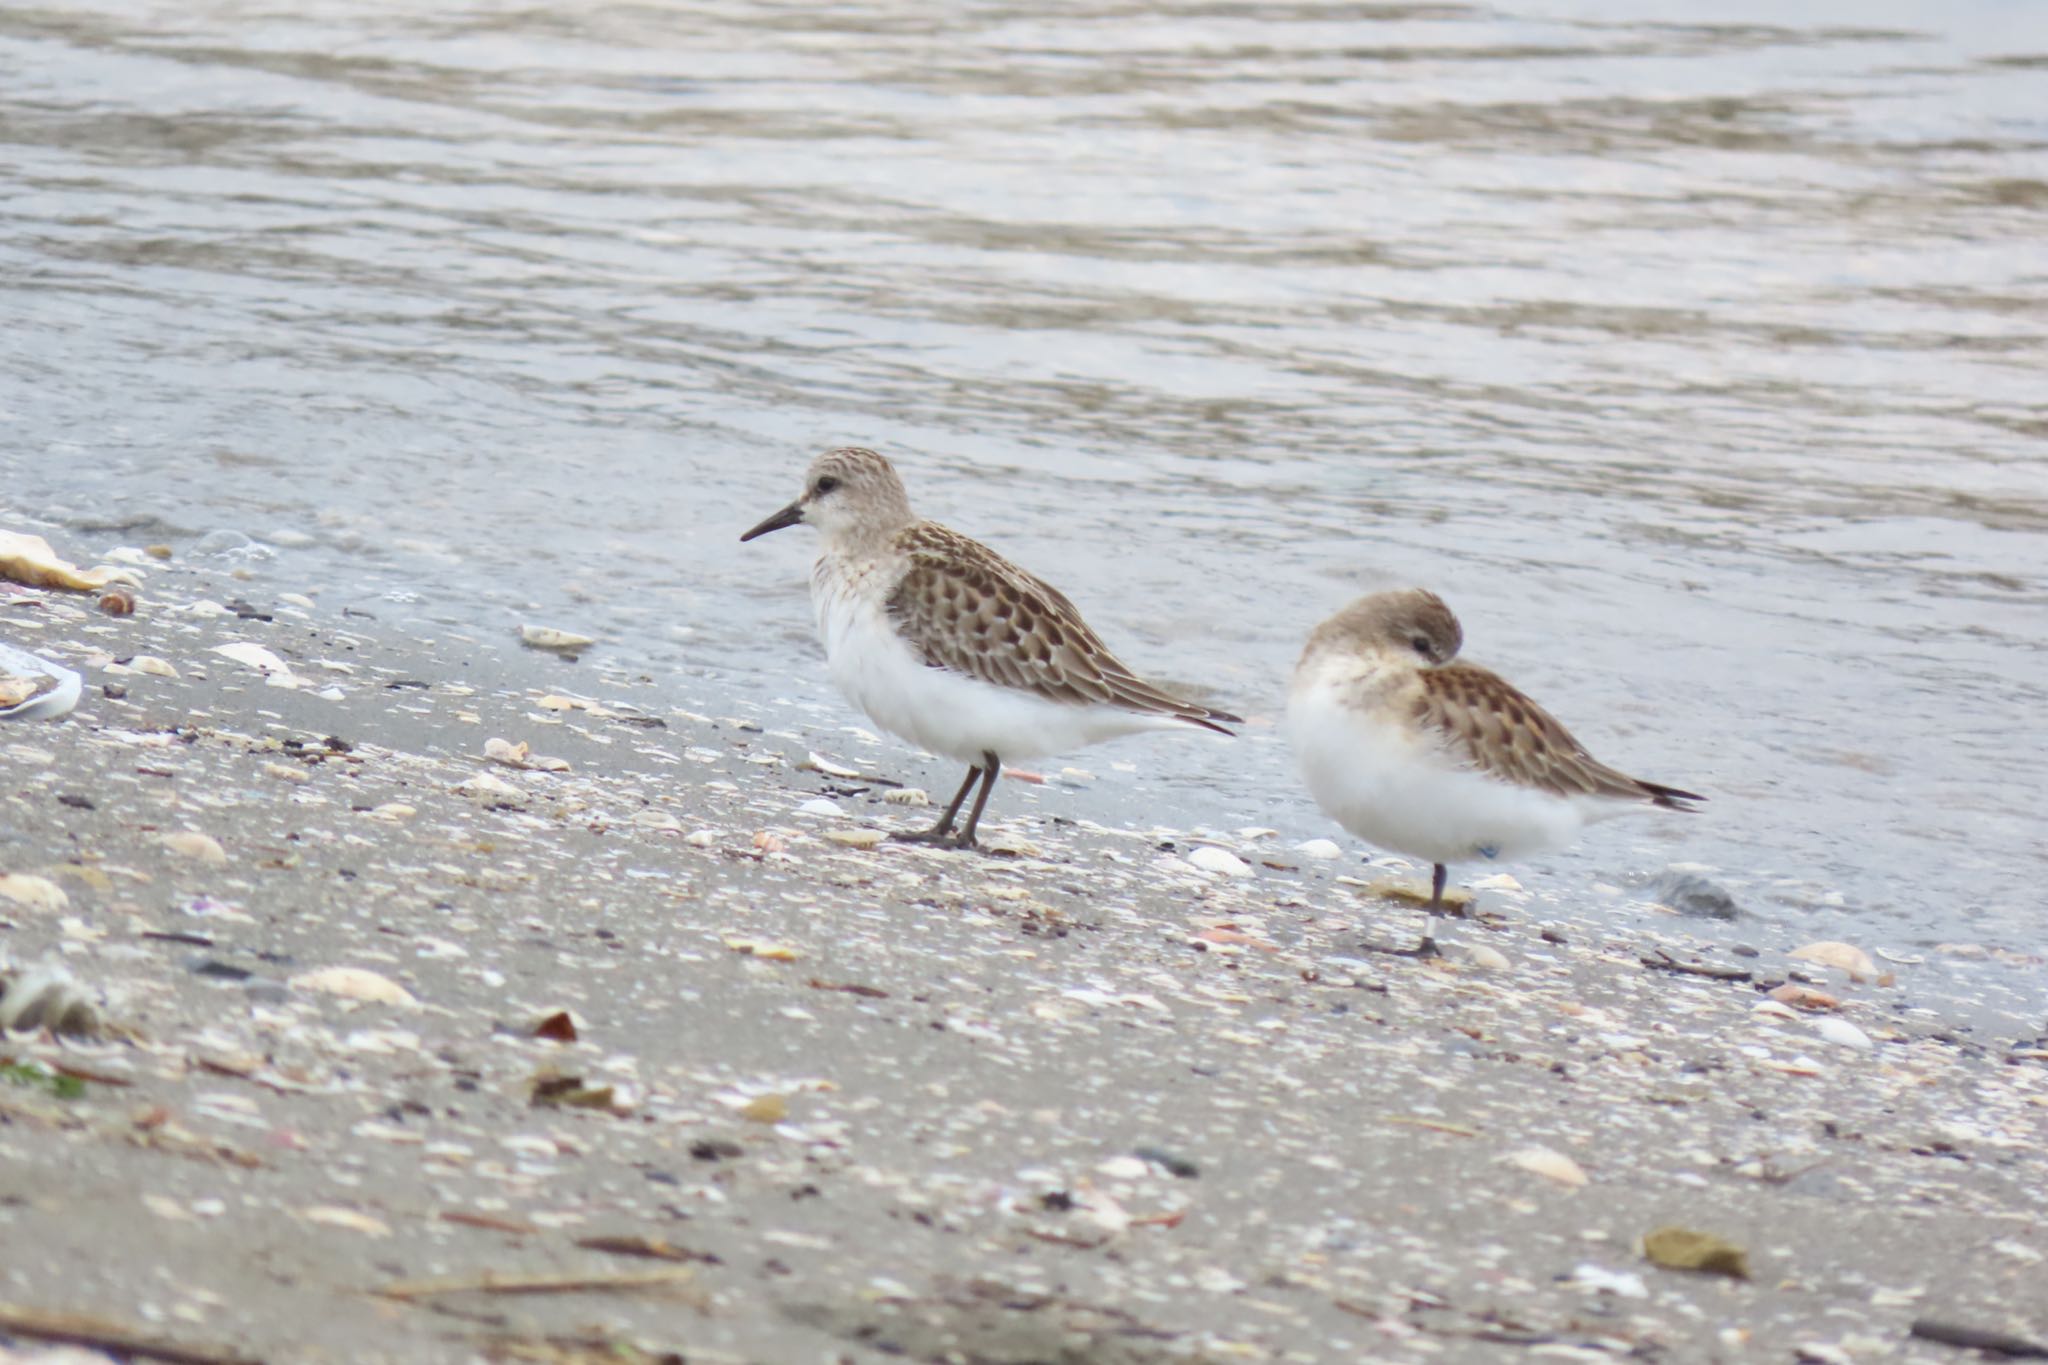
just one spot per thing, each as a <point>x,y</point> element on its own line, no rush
<point>701,838</point>
<point>1318,848</point>
<point>856,838</point>
<point>1487,959</point>
<point>1622,1283</point>
<point>118,600</point>
<point>489,787</point>
<point>33,688</point>
<point>1845,956</point>
<point>355,983</point>
<point>547,637</point>
<point>506,752</point>
<point>250,654</point>
<point>34,893</point>
<point>155,667</point>
<point>1805,997</point>
<point>765,1109</point>
<point>1677,1248</point>
<point>908,796</point>
<point>190,843</point>
<point>30,560</point>
<point>393,810</point>
<point>1124,1168</point>
<point>327,1215</point>
<point>1548,1164</point>
<point>1842,1032</point>
<point>1209,858</point>
<point>814,762</point>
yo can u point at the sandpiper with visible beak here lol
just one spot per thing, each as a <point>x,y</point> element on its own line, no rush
<point>945,643</point>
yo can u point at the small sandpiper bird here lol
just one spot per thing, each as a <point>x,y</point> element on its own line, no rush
<point>945,643</point>
<point>1440,760</point>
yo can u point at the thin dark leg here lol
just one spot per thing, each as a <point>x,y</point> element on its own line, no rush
<point>944,828</point>
<point>990,766</point>
<point>1426,948</point>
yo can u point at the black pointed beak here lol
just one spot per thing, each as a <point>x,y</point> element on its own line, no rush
<point>788,516</point>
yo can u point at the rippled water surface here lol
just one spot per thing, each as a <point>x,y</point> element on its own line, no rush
<point>1697,353</point>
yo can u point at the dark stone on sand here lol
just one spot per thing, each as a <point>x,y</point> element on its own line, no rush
<point>1693,896</point>
<point>1173,1164</point>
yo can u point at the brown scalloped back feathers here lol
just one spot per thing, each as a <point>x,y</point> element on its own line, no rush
<point>964,607</point>
<point>1491,725</point>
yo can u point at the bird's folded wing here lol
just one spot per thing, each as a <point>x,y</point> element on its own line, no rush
<point>1489,725</point>
<point>962,606</point>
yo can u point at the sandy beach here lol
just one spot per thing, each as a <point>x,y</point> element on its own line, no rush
<point>458,1004</point>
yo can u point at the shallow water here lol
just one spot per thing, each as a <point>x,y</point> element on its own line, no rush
<point>1700,365</point>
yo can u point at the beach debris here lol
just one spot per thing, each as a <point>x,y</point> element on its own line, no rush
<point>1677,1248</point>
<point>1661,961</point>
<point>557,1026</point>
<point>47,997</point>
<point>762,948</point>
<point>1175,1165</point>
<point>29,560</point>
<point>1970,1339</point>
<point>334,1216</point>
<point>1415,891</point>
<point>118,599</point>
<point>190,843</point>
<point>1846,957</point>
<point>850,988</point>
<point>1843,1033</point>
<point>490,789</point>
<point>1804,997</point>
<point>553,1089</point>
<point>654,1248</point>
<point>116,1338</point>
<point>818,763</point>
<point>512,1282</point>
<point>769,1108</point>
<point>1551,1165</point>
<point>1485,957</point>
<point>249,654</point>
<point>355,983</point>
<point>1621,1283</point>
<point>1221,861</point>
<point>33,688</point>
<point>1692,896</point>
<point>31,892</point>
<point>521,755</point>
<point>506,752</point>
<point>1433,1125</point>
<point>557,641</point>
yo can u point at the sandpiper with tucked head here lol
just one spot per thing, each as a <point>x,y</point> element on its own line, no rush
<point>945,643</point>
<point>1436,759</point>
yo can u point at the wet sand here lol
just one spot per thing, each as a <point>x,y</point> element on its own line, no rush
<point>1081,1102</point>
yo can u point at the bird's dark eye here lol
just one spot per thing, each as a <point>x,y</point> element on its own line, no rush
<point>1421,643</point>
<point>825,485</point>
